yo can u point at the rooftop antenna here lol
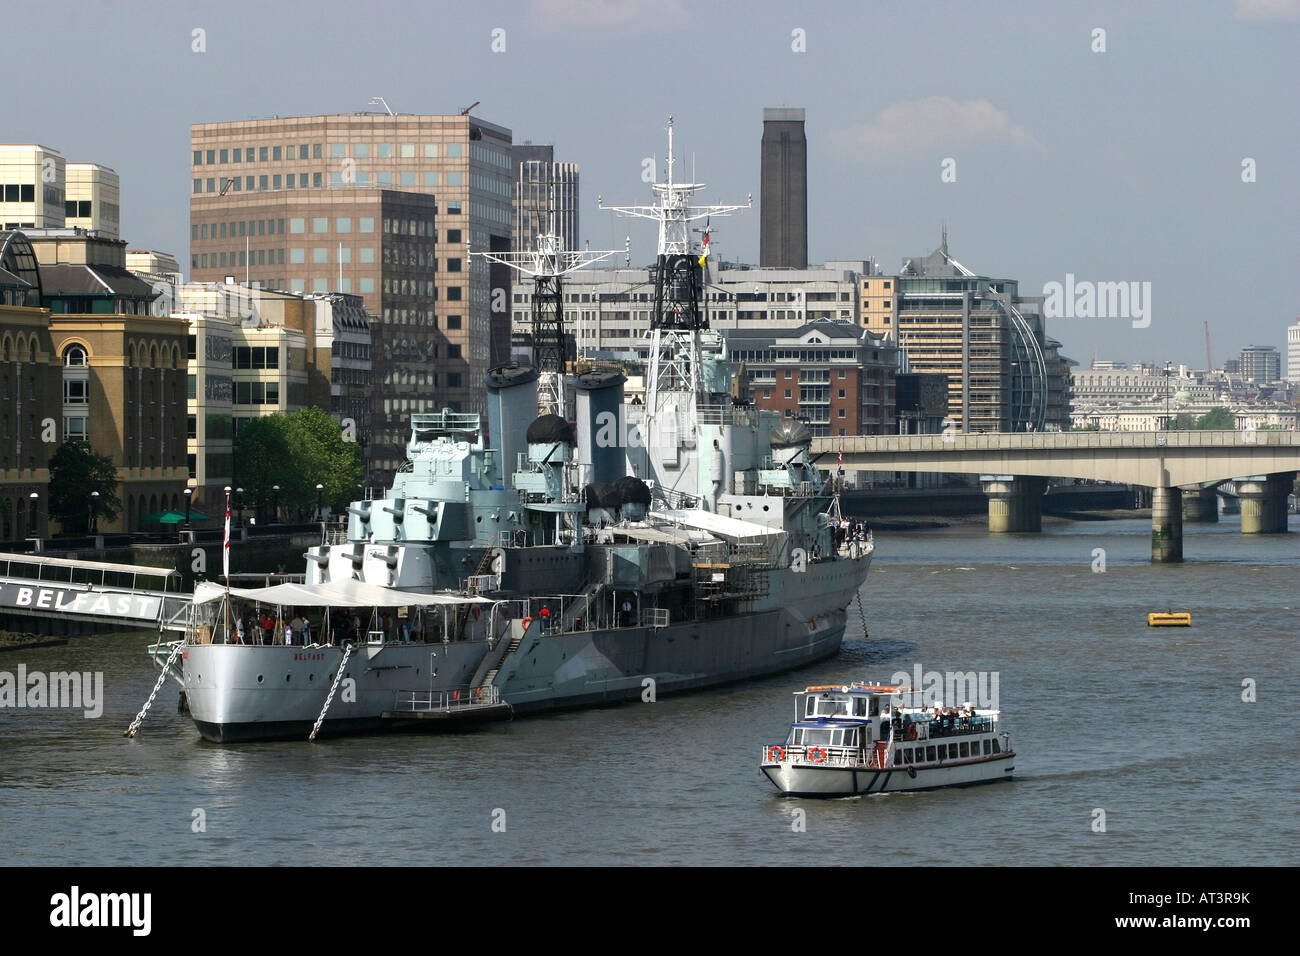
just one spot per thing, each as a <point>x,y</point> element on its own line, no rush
<point>465,111</point>
<point>380,101</point>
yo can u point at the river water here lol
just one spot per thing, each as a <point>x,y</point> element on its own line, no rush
<point>1146,726</point>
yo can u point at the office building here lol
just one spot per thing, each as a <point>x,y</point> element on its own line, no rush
<point>92,199</point>
<point>541,186</point>
<point>834,376</point>
<point>1004,373</point>
<point>31,187</point>
<point>282,203</point>
<point>1260,364</point>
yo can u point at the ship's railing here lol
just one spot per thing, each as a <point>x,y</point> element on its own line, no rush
<point>653,617</point>
<point>726,415</point>
<point>457,698</point>
<point>819,756</point>
<point>960,726</point>
<point>334,536</point>
<point>477,583</point>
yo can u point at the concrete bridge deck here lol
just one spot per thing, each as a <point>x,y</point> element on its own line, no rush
<point>1014,469</point>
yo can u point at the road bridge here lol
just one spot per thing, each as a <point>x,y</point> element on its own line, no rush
<point>1014,469</point>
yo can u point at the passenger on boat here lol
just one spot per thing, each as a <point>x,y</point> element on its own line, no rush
<point>239,630</point>
<point>545,616</point>
<point>267,624</point>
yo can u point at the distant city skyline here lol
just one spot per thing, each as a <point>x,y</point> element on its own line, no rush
<point>1159,151</point>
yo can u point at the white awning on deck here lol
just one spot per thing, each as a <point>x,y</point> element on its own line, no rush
<point>334,594</point>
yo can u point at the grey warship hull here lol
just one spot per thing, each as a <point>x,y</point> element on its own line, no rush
<point>227,686</point>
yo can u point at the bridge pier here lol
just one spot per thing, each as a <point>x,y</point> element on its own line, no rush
<point>1263,503</point>
<point>1200,504</point>
<point>1166,525</point>
<point>1015,503</point>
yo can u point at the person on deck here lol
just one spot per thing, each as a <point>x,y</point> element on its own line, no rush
<point>545,616</point>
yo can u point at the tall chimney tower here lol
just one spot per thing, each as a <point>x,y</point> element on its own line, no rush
<point>783,197</point>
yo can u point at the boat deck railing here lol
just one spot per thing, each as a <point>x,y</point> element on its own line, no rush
<point>822,756</point>
<point>457,698</point>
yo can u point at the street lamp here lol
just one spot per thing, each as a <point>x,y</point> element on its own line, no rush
<point>189,497</point>
<point>275,517</point>
<point>33,524</point>
<point>319,513</point>
<point>240,517</point>
<point>94,512</point>
<point>1167,374</point>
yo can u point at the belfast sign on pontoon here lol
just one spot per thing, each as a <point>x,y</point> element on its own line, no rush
<point>80,601</point>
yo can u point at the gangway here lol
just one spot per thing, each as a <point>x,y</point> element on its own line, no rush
<point>128,595</point>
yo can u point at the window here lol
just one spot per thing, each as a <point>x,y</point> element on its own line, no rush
<point>455,179</point>
<point>366,224</point>
<point>343,224</point>
<point>453,321</point>
<point>943,751</point>
<point>408,179</point>
<point>74,356</point>
<point>384,150</point>
<point>841,414</point>
<point>431,179</point>
<point>338,150</point>
<point>787,393</point>
<point>191,426</point>
<point>453,206</point>
<point>361,150</point>
<point>75,428</point>
<point>453,150</point>
<point>262,182</point>
<point>320,255</point>
<point>366,254</point>
<point>367,285</point>
<point>198,157</point>
<point>965,749</point>
<point>453,351</point>
<point>453,294</point>
<point>929,753</point>
<point>453,235</point>
<point>297,225</point>
<point>841,393</point>
<point>453,379</point>
<point>453,265</point>
<point>430,150</point>
<point>76,391</point>
<point>997,747</point>
<point>320,225</point>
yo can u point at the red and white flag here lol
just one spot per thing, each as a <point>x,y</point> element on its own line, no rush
<point>225,546</point>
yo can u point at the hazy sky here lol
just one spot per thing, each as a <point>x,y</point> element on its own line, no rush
<point>1122,165</point>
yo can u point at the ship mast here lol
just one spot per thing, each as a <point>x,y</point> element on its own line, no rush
<point>548,263</point>
<point>677,320</point>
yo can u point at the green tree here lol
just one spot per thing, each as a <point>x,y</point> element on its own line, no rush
<point>75,472</point>
<point>296,452</point>
<point>1218,419</point>
<point>1181,422</point>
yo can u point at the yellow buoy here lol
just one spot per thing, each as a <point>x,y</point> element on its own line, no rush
<point>1169,619</point>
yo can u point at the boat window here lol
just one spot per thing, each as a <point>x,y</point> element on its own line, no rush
<point>833,707</point>
<point>850,738</point>
<point>874,710</point>
<point>859,707</point>
<point>943,751</point>
<point>929,753</point>
<point>811,707</point>
<point>986,748</point>
<point>837,738</point>
<point>965,749</point>
<point>816,737</point>
<point>997,748</point>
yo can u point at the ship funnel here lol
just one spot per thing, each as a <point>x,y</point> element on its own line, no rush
<point>794,438</point>
<point>600,439</point>
<point>512,404</point>
<point>550,439</point>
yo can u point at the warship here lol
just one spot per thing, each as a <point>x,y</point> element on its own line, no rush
<point>540,561</point>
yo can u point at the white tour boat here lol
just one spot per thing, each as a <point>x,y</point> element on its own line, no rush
<point>860,738</point>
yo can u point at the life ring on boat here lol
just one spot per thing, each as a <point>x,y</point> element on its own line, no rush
<point>476,612</point>
<point>527,621</point>
<point>911,732</point>
<point>817,754</point>
<point>776,754</point>
<point>911,772</point>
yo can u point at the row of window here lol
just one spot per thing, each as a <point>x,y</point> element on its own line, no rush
<point>950,751</point>
<point>273,154</point>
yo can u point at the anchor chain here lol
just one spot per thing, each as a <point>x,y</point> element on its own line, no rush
<point>863,613</point>
<point>162,676</point>
<point>338,677</point>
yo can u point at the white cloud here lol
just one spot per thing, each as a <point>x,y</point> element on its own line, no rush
<point>1268,9</point>
<point>936,121</point>
<point>607,13</point>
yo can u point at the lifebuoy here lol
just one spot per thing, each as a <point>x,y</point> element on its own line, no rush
<point>817,755</point>
<point>911,732</point>
<point>776,754</point>
<point>476,612</point>
<point>527,621</point>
